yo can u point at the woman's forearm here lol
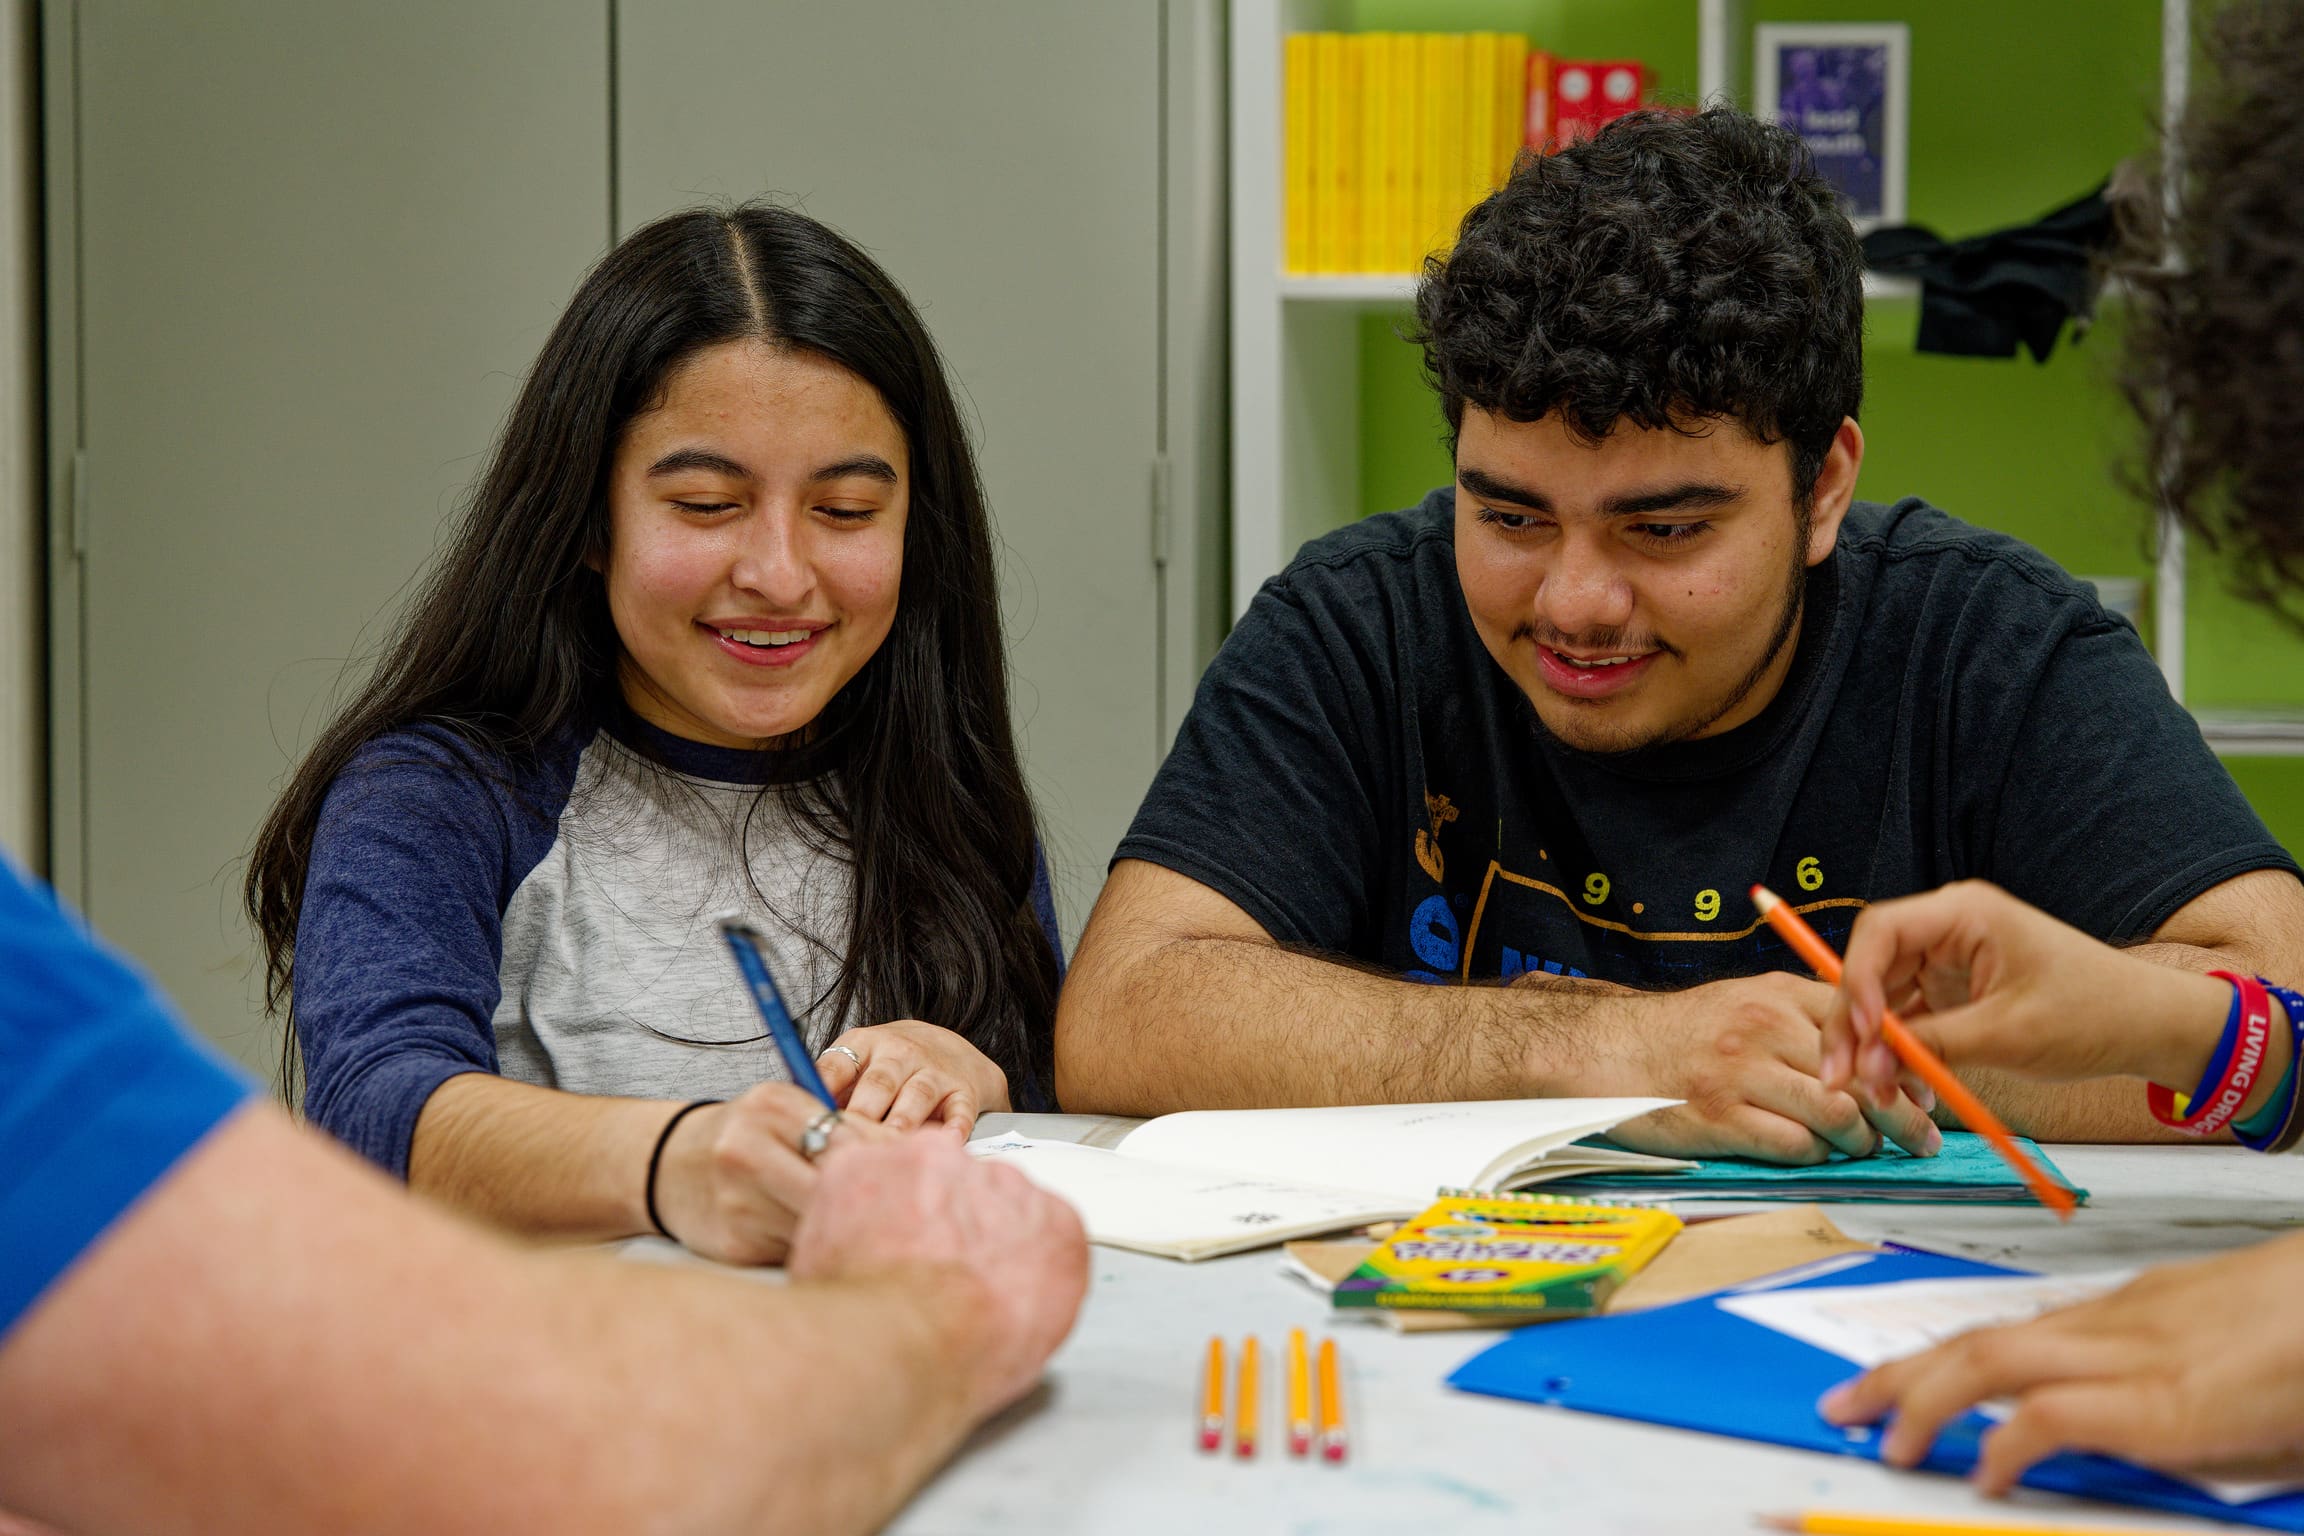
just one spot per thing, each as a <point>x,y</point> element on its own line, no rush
<point>536,1160</point>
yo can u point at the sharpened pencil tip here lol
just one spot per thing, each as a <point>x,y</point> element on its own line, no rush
<point>1777,1522</point>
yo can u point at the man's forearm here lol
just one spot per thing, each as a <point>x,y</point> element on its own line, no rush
<point>276,1339</point>
<point>535,1160</point>
<point>1219,1023</point>
<point>2109,1109</point>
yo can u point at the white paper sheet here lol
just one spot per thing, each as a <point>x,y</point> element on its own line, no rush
<point>1874,1324</point>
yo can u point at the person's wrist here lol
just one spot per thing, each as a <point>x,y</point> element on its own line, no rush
<point>1590,1045</point>
<point>956,1315</point>
<point>2184,1013</point>
<point>684,1175</point>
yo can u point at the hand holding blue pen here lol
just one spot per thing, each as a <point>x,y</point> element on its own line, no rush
<point>744,943</point>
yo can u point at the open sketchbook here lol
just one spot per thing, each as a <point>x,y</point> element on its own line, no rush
<point>1208,1182</point>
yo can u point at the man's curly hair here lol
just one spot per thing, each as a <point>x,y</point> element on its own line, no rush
<point>1674,268</point>
<point>2215,360</point>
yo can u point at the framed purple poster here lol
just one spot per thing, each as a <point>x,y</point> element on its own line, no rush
<point>1845,89</point>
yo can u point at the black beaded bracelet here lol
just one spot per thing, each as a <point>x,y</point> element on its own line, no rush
<point>656,1159</point>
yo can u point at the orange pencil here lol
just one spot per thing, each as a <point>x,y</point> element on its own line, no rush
<point>1299,1395</point>
<point>1212,1400</point>
<point>1331,1404</point>
<point>1244,1416</point>
<point>1918,1057</point>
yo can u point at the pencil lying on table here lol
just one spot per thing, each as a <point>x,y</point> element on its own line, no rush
<point>1299,1395</point>
<point>1212,1399</point>
<point>1795,931</point>
<point>1828,1522</point>
<point>1331,1404</point>
<point>1244,1415</point>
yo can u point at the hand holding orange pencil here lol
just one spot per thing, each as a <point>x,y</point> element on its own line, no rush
<point>1922,1062</point>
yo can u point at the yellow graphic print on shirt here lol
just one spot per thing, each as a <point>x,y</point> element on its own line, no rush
<point>1439,813</point>
<point>1510,926</point>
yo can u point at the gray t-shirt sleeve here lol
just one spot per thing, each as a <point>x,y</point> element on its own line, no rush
<point>401,935</point>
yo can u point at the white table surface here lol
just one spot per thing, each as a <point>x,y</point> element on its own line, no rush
<point>1108,1444</point>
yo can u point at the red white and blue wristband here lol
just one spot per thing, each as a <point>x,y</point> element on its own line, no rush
<point>2278,1125</point>
<point>2232,1070</point>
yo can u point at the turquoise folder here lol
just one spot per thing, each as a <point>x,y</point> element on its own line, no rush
<point>1693,1366</point>
<point>1966,1171</point>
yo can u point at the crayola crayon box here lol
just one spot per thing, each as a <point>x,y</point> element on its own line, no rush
<point>1510,1254</point>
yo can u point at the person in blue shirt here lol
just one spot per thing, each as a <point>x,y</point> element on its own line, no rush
<point>718,631</point>
<point>2198,1367</point>
<point>214,1321</point>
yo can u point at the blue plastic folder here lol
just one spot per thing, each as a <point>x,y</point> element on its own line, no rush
<point>1693,1366</point>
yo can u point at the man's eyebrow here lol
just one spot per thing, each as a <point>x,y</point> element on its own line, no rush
<point>1488,488</point>
<point>867,466</point>
<point>705,459</point>
<point>1693,496</point>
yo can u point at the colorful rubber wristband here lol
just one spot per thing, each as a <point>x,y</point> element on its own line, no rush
<point>2231,1073</point>
<point>2273,1128</point>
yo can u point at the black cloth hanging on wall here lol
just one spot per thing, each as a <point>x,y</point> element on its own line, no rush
<point>1981,296</point>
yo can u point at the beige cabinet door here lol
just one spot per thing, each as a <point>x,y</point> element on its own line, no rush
<point>301,255</point>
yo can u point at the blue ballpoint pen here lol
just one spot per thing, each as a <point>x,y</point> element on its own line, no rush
<point>744,943</point>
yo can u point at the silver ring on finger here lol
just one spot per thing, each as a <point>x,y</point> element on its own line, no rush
<point>845,1051</point>
<point>818,1134</point>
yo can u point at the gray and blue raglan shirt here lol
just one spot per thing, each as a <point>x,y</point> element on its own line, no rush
<point>551,921</point>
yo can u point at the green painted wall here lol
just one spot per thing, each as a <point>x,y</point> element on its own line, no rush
<point>1999,134</point>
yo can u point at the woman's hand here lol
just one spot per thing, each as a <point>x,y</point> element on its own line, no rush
<point>2192,1368</point>
<point>1985,980</point>
<point>910,1074</point>
<point>733,1185</point>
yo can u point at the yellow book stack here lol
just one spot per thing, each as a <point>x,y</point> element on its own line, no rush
<point>1296,150</point>
<point>1388,138</point>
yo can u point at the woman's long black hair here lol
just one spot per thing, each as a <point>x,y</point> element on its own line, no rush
<point>508,642</point>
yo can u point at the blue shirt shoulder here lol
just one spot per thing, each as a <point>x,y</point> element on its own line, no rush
<point>100,1092</point>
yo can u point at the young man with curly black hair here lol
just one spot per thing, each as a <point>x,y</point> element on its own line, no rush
<point>1468,804</point>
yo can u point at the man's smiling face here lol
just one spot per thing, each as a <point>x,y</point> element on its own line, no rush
<point>1645,588</point>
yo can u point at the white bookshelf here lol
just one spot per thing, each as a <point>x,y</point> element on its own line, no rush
<point>1296,340</point>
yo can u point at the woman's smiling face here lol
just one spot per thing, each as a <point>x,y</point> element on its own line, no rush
<point>755,542</point>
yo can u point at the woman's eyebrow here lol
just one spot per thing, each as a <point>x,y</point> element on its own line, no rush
<point>867,466</point>
<point>680,459</point>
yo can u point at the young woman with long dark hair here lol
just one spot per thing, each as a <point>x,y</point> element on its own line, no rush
<point>719,630</point>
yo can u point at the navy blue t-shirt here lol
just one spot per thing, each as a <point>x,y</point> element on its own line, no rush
<point>100,1092</point>
<point>1361,778</point>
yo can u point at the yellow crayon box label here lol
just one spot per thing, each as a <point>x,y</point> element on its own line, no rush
<point>1510,1254</point>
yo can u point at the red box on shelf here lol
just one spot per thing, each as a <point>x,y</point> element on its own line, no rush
<point>1589,94</point>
